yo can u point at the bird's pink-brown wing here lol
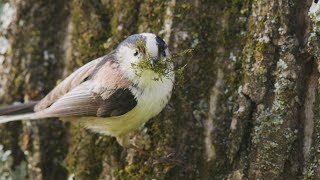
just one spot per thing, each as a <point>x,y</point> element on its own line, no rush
<point>72,81</point>
<point>96,89</point>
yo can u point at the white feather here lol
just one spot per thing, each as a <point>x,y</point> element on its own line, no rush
<point>5,119</point>
<point>151,44</point>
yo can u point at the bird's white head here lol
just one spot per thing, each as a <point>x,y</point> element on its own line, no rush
<point>145,58</point>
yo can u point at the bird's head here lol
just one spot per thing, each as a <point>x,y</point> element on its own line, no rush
<point>145,57</point>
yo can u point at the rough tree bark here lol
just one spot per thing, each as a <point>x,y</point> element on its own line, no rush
<point>248,107</point>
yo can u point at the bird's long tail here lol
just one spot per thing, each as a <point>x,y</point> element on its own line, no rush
<point>10,118</point>
<point>13,112</point>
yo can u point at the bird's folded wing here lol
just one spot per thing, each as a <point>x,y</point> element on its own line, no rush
<point>82,101</point>
<point>97,89</point>
<point>78,102</point>
<point>72,81</point>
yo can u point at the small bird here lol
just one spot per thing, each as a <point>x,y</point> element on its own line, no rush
<point>111,95</point>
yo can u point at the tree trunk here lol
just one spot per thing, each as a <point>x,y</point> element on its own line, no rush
<point>247,107</point>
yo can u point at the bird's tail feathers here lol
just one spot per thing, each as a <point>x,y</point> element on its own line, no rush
<point>10,118</point>
<point>17,108</point>
<point>18,111</point>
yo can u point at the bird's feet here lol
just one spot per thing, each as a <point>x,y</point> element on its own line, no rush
<point>137,139</point>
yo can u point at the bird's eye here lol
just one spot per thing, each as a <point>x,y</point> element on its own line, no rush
<point>136,53</point>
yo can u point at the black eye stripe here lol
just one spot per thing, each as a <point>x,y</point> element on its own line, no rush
<point>162,46</point>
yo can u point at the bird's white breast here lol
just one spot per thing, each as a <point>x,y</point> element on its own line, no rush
<point>150,102</point>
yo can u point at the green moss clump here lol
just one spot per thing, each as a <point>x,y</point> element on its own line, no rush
<point>164,67</point>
